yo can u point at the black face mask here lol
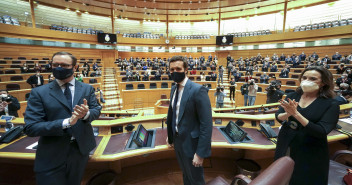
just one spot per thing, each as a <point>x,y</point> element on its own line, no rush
<point>178,76</point>
<point>62,73</point>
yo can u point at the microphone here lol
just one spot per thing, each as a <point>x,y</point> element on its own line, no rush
<point>162,122</point>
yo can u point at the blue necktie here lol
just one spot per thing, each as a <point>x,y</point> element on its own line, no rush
<point>174,110</point>
<point>68,95</point>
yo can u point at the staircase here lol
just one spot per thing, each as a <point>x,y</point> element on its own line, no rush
<point>110,90</point>
<point>226,84</point>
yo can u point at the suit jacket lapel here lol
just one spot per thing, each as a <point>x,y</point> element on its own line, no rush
<point>78,93</point>
<point>173,88</point>
<point>185,95</point>
<point>56,92</point>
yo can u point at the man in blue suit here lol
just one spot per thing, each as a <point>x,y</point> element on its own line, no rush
<point>60,113</point>
<point>189,123</point>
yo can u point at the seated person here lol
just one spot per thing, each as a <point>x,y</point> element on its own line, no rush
<point>236,75</point>
<point>340,69</point>
<point>85,73</point>
<point>157,75</point>
<point>194,71</point>
<point>326,65</point>
<point>213,77</point>
<point>344,60</point>
<point>95,66</point>
<point>288,60</point>
<point>9,105</point>
<point>79,77</point>
<point>52,78</point>
<point>264,78</point>
<point>145,67</point>
<point>344,97</point>
<point>146,77</point>
<point>343,79</point>
<point>129,75</point>
<point>273,67</point>
<point>284,73</point>
<point>137,77</point>
<point>37,67</point>
<point>98,72</point>
<point>326,59</point>
<point>24,68</point>
<point>337,56</point>
<point>36,80</point>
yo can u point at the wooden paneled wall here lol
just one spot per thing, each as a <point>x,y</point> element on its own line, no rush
<point>14,51</point>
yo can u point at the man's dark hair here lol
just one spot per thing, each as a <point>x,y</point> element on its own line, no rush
<point>74,59</point>
<point>4,90</point>
<point>179,58</point>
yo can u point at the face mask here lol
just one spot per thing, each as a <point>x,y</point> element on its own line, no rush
<point>4,95</point>
<point>178,76</point>
<point>62,73</point>
<point>308,86</point>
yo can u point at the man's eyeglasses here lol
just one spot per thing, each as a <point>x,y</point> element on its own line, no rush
<point>62,65</point>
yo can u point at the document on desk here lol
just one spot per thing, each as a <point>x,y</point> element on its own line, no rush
<point>32,146</point>
<point>346,120</point>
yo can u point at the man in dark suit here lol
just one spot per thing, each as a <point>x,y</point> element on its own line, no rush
<point>189,123</point>
<point>344,97</point>
<point>36,80</point>
<point>9,104</point>
<point>60,113</point>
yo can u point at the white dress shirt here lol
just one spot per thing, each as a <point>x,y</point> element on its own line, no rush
<point>180,92</point>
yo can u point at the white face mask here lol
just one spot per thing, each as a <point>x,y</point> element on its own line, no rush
<point>308,86</point>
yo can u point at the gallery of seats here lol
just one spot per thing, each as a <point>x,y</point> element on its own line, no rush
<point>273,42</point>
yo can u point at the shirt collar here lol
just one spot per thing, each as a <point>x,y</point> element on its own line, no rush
<point>61,83</point>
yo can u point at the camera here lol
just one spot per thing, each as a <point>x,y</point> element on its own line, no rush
<point>252,83</point>
<point>218,89</point>
<point>272,86</point>
<point>6,98</point>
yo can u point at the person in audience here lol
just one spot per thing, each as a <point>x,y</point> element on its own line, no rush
<point>249,69</point>
<point>157,76</point>
<point>284,72</point>
<point>307,117</point>
<point>273,67</point>
<point>344,60</point>
<point>266,66</point>
<point>51,78</point>
<point>232,89</point>
<point>282,57</point>
<point>146,77</point>
<point>343,79</point>
<point>137,77</point>
<point>138,66</point>
<point>340,69</point>
<point>85,72</point>
<point>348,72</point>
<point>236,74</point>
<point>309,64</point>
<point>302,57</point>
<point>295,62</point>
<point>264,78</point>
<point>24,68</point>
<point>326,59</point>
<point>220,96</point>
<point>314,56</point>
<point>210,58</point>
<point>244,92</point>
<point>98,72</point>
<point>36,80</point>
<point>288,60</point>
<point>252,92</point>
<point>319,62</point>
<point>37,67</point>
<point>326,66</point>
<point>196,120</point>
<point>129,74</point>
<point>221,73</point>
<point>344,97</point>
<point>213,76</point>
<point>48,67</point>
<point>86,66</point>
<point>274,92</point>
<point>9,105</point>
<point>256,68</point>
<point>194,71</point>
<point>337,56</point>
<point>95,66</point>
<point>229,69</point>
<point>202,77</point>
<point>349,58</point>
<point>275,57</point>
<point>247,77</point>
<point>79,77</point>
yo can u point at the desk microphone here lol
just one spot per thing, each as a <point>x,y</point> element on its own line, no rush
<point>162,122</point>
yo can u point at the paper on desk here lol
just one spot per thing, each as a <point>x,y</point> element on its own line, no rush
<point>30,147</point>
<point>346,120</point>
